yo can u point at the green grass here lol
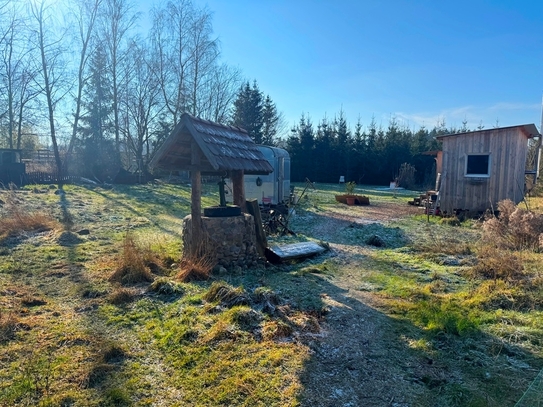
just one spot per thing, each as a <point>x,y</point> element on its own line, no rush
<point>229,341</point>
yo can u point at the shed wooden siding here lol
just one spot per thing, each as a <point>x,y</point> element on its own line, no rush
<point>507,148</point>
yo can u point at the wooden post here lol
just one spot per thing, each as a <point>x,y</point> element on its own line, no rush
<point>196,199</point>
<point>238,188</point>
<point>261,242</point>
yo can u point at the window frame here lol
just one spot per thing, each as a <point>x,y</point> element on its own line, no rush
<point>479,175</point>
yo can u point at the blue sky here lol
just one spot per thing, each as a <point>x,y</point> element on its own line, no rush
<point>420,61</point>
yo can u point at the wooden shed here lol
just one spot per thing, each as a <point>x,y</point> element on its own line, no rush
<point>205,147</point>
<point>481,168</point>
<point>12,169</point>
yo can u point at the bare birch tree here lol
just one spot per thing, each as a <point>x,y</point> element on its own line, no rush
<point>116,21</point>
<point>140,102</point>
<point>52,75</point>
<point>85,14</point>
<point>16,73</point>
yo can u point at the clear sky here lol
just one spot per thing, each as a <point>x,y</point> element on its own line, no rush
<point>421,61</point>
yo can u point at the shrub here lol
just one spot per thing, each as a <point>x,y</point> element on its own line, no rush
<point>406,176</point>
<point>514,228</point>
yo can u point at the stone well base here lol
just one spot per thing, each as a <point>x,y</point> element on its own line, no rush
<point>232,240</point>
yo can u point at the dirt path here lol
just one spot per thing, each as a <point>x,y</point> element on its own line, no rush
<point>362,358</point>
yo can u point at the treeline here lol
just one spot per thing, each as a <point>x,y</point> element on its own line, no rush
<point>369,155</point>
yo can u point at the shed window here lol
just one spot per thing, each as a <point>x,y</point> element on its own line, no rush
<point>478,165</point>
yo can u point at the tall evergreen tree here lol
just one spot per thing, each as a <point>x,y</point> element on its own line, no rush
<point>98,157</point>
<point>256,114</point>
<point>248,111</point>
<point>301,145</point>
<point>96,120</point>
<point>270,122</point>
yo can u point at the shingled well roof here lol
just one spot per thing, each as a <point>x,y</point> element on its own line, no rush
<point>224,148</point>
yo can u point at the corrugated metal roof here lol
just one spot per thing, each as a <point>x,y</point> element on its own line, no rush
<point>529,129</point>
<point>224,148</point>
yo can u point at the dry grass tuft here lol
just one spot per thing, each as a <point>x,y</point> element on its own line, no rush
<point>133,263</point>
<point>227,295</point>
<point>197,266</point>
<point>495,263</point>
<point>122,296</point>
<point>305,322</point>
<point>515,228</point>
<point>194,269</point>
<point>276,330</point>
<point>16,217</point>
<point>8,326</point>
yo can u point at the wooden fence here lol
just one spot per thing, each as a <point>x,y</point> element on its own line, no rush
<point>39,177</point>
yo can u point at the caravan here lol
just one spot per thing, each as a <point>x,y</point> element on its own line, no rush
<point>274,188</point>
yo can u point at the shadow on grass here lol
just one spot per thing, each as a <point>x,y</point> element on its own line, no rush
<point>153,219</point>
<point>348,232</point>
<point>367,358</point>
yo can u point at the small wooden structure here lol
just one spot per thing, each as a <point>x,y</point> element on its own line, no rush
<point>209,148</point>
<point>12,169</point>
<point>481,168</point>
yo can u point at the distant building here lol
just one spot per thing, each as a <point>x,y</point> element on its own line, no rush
<point>12,170</point>
<point>481,168</point>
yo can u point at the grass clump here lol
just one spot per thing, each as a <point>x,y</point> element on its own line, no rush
<point>495,263</point>
<point>121,296</point>
<point>16,217</point>
<point>276,330</point>
<point>9,324</point>
<point>164,286</point>
<point>492,295</point>
<point>444,315</point>
<point>226,295</point>
<point>133,264</point>
<point>197,265</point>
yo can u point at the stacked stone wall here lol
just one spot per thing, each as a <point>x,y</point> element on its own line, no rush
<point>230,240</point>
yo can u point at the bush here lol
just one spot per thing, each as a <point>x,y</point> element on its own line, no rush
<point>406,176</point>
<point>514,228</point>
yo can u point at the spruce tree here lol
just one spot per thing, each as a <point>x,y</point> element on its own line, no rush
<point>256,114</point>
<point>248,111</point>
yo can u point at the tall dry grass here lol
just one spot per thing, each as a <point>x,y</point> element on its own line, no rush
<point>17,217</point>
<point>133,263</point>
<point>197,266</point>
<point>514,228</point>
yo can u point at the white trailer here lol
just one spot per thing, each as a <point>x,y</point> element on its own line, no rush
<point>274,188</point>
